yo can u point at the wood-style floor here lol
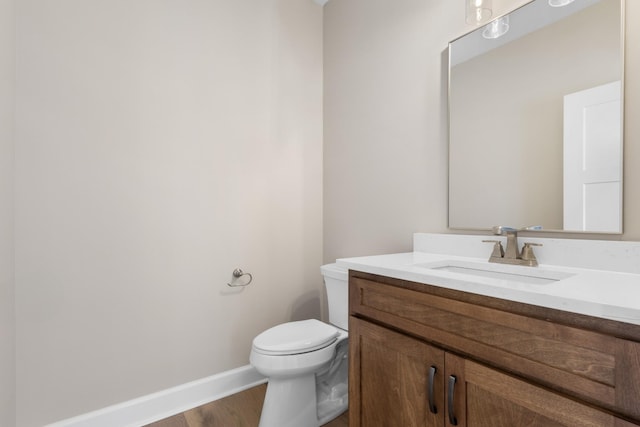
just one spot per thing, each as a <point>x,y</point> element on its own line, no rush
<point>238,410</point>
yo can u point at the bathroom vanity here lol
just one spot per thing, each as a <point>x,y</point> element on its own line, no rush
<point>432,346</point>
<point>441,336</point>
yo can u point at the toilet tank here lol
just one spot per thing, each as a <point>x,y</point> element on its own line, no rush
<point>336,281</point>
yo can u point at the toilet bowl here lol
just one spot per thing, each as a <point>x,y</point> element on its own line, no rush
<point>306,363</point>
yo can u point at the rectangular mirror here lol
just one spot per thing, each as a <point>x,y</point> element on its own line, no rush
<point>535,119</point>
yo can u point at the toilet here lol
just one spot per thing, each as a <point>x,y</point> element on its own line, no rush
<point>306,363</point>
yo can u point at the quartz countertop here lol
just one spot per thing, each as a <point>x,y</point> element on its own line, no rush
<point>600,293</point>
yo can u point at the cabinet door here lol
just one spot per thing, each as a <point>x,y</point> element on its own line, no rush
<point>484,397</point>
<point>395,380</point>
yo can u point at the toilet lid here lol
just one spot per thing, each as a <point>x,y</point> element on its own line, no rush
<point>295,338</point>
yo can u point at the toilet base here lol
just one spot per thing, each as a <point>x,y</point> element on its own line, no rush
<point>290,403</point>
<point>332,386</point>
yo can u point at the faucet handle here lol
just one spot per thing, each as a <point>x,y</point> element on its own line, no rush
<point>528,255</point>
<point>498,250</point>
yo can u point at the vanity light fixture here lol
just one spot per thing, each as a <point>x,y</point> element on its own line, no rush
<point>478,11</point>
<point>496,28</point>
<point>559,3</point>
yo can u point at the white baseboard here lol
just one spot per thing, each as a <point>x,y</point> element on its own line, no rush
<point>163,404</point>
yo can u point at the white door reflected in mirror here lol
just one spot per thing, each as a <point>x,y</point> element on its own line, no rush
<point>593,160</point>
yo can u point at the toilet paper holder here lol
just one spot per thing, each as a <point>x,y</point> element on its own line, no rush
<point>237,274</point>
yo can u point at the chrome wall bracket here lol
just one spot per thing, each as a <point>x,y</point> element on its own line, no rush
<point>237,274</point>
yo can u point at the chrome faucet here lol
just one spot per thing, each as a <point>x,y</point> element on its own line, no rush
<point>512,254</point>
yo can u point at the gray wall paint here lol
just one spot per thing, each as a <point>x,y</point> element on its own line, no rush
<point>385,124</point>
<point>7,306</point>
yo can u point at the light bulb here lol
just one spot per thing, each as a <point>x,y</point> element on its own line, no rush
<point>496,28</point>
<point>558,3</point>
<point>478,11</point>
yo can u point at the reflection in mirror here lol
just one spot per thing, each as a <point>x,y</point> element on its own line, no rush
<point>535,120</point>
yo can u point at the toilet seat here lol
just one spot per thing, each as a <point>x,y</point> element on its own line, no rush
<point>295,338</point>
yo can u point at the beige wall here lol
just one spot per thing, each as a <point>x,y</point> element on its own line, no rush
<point>632,125</point>
<point>160,145</point>
<point>386,122</point>
<point>7,307</point>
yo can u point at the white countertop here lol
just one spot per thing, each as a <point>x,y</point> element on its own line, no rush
<point>599,293</point>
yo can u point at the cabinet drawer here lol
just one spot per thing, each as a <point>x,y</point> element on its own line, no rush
<point>593,366</point>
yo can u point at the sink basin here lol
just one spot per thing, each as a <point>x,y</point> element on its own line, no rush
<point>511,273</point>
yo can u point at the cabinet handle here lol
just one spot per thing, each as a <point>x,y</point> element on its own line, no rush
<point>432,405</point>
<point>452,386</point>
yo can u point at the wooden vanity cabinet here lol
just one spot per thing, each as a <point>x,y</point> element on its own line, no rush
<point>425,356</point>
